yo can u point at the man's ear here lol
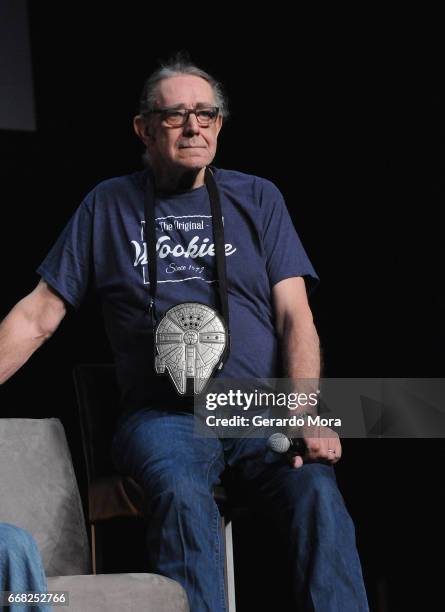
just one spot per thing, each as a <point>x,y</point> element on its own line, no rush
<point>142,129</point>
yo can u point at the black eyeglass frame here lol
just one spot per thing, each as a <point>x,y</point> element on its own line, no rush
<point>187,112</point>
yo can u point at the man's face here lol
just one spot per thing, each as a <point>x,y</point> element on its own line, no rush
<point>191,146</point>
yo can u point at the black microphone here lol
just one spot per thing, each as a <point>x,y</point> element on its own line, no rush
<point>281,444</point>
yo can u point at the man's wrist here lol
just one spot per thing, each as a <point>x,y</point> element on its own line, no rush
<point>300,422</point>
<point>304,414</point>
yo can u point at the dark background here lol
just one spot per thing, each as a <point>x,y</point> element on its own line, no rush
<point>334,115</point>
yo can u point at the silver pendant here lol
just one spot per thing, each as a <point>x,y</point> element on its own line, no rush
<point>190,340</point>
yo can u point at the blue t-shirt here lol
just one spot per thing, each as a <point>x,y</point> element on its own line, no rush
<point>103,247</point>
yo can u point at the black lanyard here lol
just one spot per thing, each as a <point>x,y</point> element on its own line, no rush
<point>218,232</point>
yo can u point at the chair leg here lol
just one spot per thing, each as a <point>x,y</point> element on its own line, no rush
<point>229,566</point>
<point>93,548</point>
<point>96,548</point>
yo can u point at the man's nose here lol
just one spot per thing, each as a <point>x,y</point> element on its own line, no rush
<point>191,125</point>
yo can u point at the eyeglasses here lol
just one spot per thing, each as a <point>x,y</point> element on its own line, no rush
<point>178,117</point>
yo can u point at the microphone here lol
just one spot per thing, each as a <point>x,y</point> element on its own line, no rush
<point>281,444</point>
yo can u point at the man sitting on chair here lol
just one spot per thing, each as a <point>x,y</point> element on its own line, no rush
<point>105,247</point>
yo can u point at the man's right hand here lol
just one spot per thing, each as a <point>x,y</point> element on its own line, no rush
<point>320,444</point>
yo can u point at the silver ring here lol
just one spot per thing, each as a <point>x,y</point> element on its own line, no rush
<point>331,450</point>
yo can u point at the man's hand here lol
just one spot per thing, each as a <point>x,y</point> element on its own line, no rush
<point>321,444</point>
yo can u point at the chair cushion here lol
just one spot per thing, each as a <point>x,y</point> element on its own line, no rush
<point>117,592</point>
<point>40,494</point>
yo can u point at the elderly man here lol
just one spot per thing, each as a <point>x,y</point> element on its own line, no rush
<point>148,242</point>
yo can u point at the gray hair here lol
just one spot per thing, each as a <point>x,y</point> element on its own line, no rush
<point>177,65</point>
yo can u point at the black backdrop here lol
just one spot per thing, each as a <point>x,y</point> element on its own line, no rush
<point>332,115</point>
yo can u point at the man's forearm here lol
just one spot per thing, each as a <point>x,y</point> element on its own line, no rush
<point>301,359</point>
<point>19,339</point>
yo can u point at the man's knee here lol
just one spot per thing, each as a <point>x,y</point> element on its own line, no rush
<point>176,485</point>
<point>315,483</point>
<point>176,479</point>
<point>315,494</point>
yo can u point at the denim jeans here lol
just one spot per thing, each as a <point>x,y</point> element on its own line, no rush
<point>21,567</point>
<point>178,472</point>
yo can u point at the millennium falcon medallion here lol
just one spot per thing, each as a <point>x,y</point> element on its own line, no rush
<point>190,341</point>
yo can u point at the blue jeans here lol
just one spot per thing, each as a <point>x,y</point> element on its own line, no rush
<point>178,472</point>
<point>21,567</point>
